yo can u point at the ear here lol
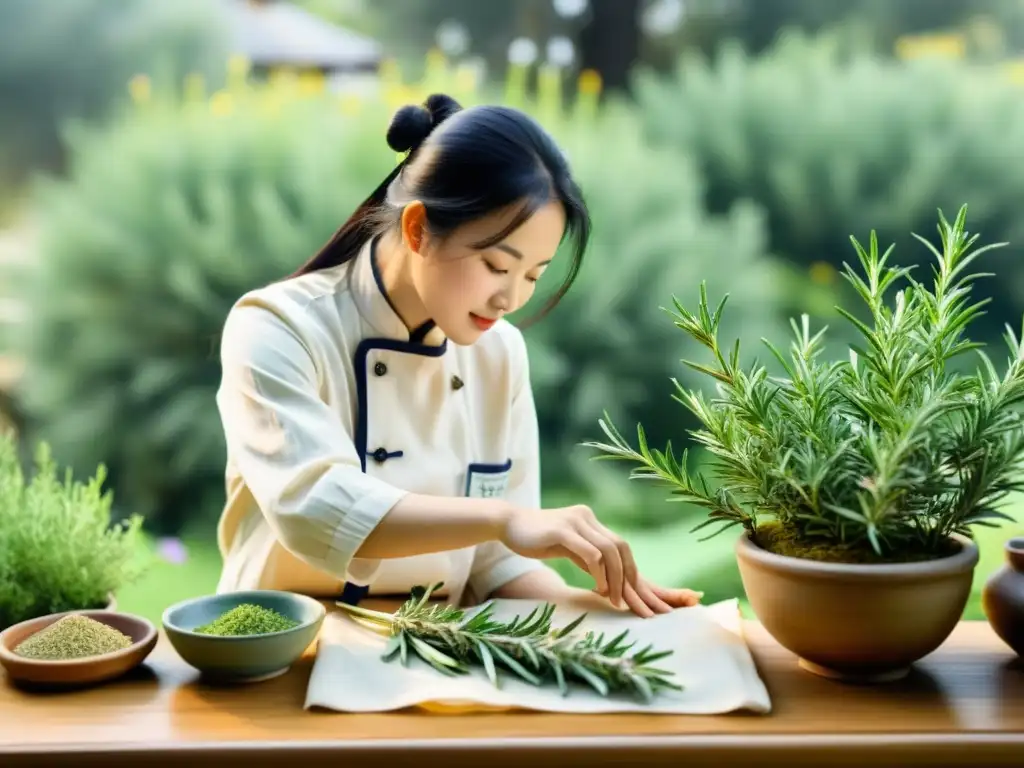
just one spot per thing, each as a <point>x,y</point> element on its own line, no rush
<point>414,225</point>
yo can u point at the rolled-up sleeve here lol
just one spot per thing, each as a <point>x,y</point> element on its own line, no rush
<point>494,564</point>
<point>292,450</point>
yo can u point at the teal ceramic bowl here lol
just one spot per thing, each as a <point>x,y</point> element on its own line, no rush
<point>247,658</point>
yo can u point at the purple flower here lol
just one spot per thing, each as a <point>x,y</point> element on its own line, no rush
<point>172,550</point>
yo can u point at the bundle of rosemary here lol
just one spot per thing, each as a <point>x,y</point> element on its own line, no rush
<point>450,641</point>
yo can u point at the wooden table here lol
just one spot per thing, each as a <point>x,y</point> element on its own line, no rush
<point>963,705</point>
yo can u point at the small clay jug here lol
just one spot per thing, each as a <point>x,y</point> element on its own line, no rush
<point>1002,598</point>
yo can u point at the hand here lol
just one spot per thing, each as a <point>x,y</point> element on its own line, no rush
<point>649,599</point>
<point>659,599</point>
<point>575,533</point>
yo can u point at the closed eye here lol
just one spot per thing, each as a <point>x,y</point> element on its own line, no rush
<point>497,271</point>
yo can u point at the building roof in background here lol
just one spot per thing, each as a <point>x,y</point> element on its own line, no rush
<point>278,33</point>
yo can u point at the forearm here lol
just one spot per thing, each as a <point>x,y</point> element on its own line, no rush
<point>420,524</point>
<point>542,584</point>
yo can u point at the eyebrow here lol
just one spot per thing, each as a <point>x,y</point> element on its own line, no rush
<point>515,252</point>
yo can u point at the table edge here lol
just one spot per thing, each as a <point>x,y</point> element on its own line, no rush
<point>678,744</point>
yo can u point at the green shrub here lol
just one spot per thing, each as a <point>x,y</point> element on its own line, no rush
<point>142,258</point>
<point>832,144</point>
<point>59,550</point>
<point>73,60</point>
<point>608,338</point>
<point>880,457</point>
<point>167,218</point>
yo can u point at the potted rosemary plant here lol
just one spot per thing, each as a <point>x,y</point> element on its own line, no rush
<point>59,549</point>
<point>856,482</point>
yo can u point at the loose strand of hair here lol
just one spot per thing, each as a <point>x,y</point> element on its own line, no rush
<point>345,243</point>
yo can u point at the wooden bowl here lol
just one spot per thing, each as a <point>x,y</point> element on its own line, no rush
<point>83,671</point>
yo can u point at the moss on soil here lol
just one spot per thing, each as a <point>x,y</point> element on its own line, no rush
<point>781,539</point>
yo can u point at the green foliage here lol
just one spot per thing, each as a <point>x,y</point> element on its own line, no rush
<point>58,548</point>
<point>757,23</point>
<point>64,60</point>
<point>528,647</point>
<point>142,258</point>
<point>607,339</point>
<point>832,142</point>
<point>889,451</point>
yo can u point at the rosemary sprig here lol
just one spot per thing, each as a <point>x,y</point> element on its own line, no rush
<point>528,647</point>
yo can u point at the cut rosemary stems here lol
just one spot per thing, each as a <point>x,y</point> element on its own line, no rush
<point>451,642</point>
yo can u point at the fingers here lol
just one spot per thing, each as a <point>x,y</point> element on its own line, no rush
<point>631,572</point>
<point>677,598</point>
<point>648,599</point>
<point>586,555</point>
<point>613,568</point>
<point>636,603</point>
<point>620,564</point>
<point>652,598</point>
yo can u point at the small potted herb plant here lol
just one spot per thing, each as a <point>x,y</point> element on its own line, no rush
<point>857,481</point>
<point>59,550</point>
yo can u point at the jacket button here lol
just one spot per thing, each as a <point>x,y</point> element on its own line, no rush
<point>380,455</point>
<point>380,369</point>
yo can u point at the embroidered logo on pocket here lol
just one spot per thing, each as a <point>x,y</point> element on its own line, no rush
<point>487,481</point>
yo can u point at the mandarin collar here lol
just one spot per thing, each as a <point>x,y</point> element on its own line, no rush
<point>374,305</point>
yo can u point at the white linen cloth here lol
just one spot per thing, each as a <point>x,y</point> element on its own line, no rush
<point>711,661</point>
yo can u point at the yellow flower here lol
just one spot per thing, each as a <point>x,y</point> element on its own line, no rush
<point>222,104</point>
<point>311,82</point>
<point>389,71</point>
<point>436,59</point>
<point>920,46</point>
<point>350,104</point>
<point>467,79</point>
<point>140,88</point>
<point>589,82</point>
<point>238,65</point>
<point>195,87</point>
<point>1015,70</point>
<point>822,273</point>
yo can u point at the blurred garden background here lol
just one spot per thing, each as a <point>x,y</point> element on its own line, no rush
<point>158,159</point>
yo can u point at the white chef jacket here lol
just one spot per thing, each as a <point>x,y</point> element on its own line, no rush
<point>332,411</point>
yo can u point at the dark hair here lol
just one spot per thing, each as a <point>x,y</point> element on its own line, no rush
<point>485,159</point>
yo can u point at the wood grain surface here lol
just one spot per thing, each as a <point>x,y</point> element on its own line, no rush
<point>962,705</point>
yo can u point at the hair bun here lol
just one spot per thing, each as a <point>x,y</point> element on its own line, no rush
<point>413,123</point>
<point>441,107</point>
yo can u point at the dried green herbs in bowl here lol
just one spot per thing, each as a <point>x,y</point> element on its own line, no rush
<point>243,636</point>
<point>76,647</point>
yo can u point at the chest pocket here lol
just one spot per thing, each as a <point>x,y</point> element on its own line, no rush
<point>487,481</point>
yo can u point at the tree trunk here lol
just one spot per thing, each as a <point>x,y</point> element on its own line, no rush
<point>610,42</point>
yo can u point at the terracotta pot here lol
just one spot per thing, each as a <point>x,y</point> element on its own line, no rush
<point>864,623</point>
<point>1002,597</point>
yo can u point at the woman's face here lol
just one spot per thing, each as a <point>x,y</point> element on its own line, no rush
<point>465,289</point>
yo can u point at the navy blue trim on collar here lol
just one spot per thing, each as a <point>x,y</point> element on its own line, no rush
<point>362,351</point>
<point>353,593</point>
<point>416,336</point>
<point>420,333</point>
<point>375,268</point>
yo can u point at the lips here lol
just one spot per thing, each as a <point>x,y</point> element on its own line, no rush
<point>483,323</point>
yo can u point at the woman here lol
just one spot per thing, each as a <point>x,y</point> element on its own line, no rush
<point>377,407</point>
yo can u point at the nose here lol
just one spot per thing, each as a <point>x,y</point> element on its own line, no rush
<point>504,300</point>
